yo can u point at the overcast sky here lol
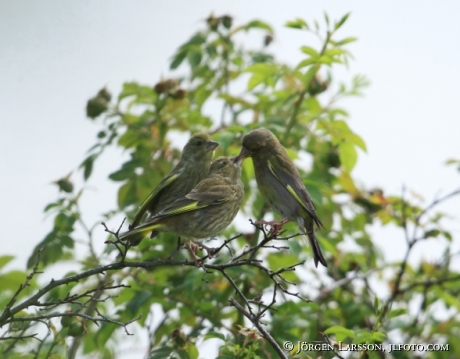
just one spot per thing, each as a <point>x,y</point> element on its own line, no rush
<point>54,55</point>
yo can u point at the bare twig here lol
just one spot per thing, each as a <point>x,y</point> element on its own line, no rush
<point>22,286</point>
<point>122,247</point>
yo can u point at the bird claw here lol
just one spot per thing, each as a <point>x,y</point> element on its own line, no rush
<point>193,248</point>
<point>273,227</point>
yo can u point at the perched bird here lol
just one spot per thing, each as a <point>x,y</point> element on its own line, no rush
<point>280,184</point>
<point>205,211</point>
<point>193,166</point>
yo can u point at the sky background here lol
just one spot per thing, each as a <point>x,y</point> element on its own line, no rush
<point>55,55</point>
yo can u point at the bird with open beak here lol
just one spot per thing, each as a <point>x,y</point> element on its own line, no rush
<point>280,184</point>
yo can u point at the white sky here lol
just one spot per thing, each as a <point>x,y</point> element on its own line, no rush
<point>54,55</point>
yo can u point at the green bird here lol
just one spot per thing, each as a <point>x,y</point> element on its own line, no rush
<point>280,184</point>
<point>193,166</point>
<point>205,211</point>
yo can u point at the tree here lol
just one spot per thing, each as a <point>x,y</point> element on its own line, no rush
<point>257,298</point>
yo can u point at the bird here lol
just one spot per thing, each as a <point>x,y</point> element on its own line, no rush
<point>280,184</point>
<point>193,166</point>
<point>205,211</point>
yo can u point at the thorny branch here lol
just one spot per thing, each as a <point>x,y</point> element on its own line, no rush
<point>246,258</point>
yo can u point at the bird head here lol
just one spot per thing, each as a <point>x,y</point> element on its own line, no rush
<point>256,143</point>
<point>226,166</point>
<point>199,146</point>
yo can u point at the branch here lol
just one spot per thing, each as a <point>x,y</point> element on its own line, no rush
<point>95,320</point>
<point>247,258</point>
<point>410,245</point>
<point>255,320</point>
<point>6,311</point>
<point>21,337</point>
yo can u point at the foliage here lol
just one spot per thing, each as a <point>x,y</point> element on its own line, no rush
<point>256,295</point>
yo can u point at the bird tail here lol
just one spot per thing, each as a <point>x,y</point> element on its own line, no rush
<point>307,227</point>
<point>136,235</point>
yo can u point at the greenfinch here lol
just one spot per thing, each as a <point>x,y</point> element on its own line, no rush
<point>280,184</point>
<point>193,166</point>
<point>205,211</point>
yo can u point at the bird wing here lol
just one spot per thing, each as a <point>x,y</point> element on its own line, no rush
<point>206,193</point>
<point>290,178</point>
<point>145,205</point>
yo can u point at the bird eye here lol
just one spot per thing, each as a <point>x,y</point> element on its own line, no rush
<point>199,143</point>
<point>225,162</point>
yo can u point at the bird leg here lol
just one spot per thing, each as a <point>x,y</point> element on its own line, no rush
<point>179,246</point>
<point>274,227</point>
<point>193,248</point>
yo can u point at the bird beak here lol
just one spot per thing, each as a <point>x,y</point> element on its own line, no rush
<point>237,161</point>
<point>211,145</point>
<point>243,154</point>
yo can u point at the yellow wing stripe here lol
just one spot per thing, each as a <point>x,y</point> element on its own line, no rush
<point>288,187</point>
<point>143,231</point>
<point>190,207</point>
<point>144,205</point>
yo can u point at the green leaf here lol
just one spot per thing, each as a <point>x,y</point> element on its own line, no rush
<point>121,175</point>
<point>326,18</point>
<point>310,73</point>
<point>309,51</point>
<point>192,351</point>
<point>262,68</point>
<point>263,73</point>
<point>63,222</point>
<point>161,353</point>
<point>341,21</point>
<point>255,80</point>
<point>348,156</point>
<point>378,336</point>
<point>447,235</point>
<point>259,25</point>
<point>194,57</point>
<point>341,333</point>
<point>87,166</point>
<point>432,233</point>
<point>4,260</point>
<point>313,105</point>
<point>397,312</point>
<point>197,39</point>
<point>362,336</point>
<point>177,60</point>
<point>52,205</point>
<point>297,24</point>
<point>305,63</point>
<point>449,299</point>
<point>346,41</point>
<point>376,305</point>
<point>232,100</point>
<point>12,280</point>
<point>139,299</point>
<point>127,194</point>
<point>129,139</point>
<point>356,140</point>
<point>212,335</point>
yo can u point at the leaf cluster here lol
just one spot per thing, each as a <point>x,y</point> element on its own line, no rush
<point>258,293</point>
